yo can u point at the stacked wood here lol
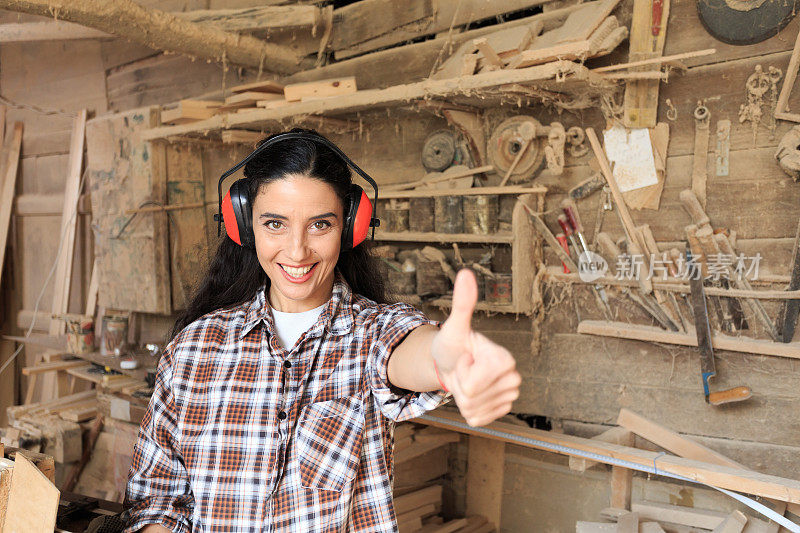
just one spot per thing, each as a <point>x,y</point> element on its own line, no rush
<point>187,111</point>
<point>420,459</point>
<point>28,497</point>
<point>587,32</point>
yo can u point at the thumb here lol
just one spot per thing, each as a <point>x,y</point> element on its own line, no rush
<point>465,296</point>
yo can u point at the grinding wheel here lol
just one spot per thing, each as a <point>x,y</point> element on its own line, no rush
<point>742,22</point>
<point>506,142</point>
<point>439,151</point>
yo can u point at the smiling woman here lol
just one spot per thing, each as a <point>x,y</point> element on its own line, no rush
<point>275,402</point>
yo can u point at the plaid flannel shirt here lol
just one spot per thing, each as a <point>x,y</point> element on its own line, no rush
<point>243,435</point>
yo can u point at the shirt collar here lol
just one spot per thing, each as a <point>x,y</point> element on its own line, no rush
<point>337,316</point>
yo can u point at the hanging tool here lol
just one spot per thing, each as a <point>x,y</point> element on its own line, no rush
<point>703,330</point>
<point>567,229</point>
<point>701,135</point>
<point>612,252</point>
<point>562,240</point>
<point>574,222</point>
<point>723,244</point>
<point>544,231</point>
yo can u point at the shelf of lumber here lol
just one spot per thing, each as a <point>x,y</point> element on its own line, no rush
<point>471,191</point>
<point>415,236</point>
<point>480,90</point>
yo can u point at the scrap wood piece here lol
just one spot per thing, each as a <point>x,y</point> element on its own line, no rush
<point>461,172</point>
<point>484,481</point>
<point>550,239</point>
<point>319,89</point>
<point>413,500</point>
<point>734,523</point>
<point>8,168</point>
<point>684,516</point>
<point>718,476</point>
<point>238,101</point>
<point>615,435</point>
<point>186,111</point>
<point>683,446</point>
<point>89,442</point>
<point>720,341</point>
<point>32,499</point>
<point>782,106</point>
<point>420,446</point>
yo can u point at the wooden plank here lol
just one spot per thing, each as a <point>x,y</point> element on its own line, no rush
<point>641,96</point>
<point>621,487</point>
<point>526,251</point>
<point>296,92</point>
<point>241,137</point>
<point>719,340</point>
<point>55,366</point>
<point>485,467</point>
<point>9,171</point>
<point>670,440</point>
<point>685,516</point>
<point>188,111</point>
<point>424,442</point>
<point>32,500</point>
<point>413,500</point>
<point>47,31</point>
<point>719,476</point>
<point>69,223</point>
<point>263,86</point>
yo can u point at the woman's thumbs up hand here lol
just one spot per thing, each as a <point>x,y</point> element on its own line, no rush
<point>481,374</point>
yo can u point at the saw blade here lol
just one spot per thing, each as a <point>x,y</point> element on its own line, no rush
<point>506,142</point>
<point>743,22</point>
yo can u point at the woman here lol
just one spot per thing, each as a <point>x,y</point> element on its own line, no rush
<point>275,401</point>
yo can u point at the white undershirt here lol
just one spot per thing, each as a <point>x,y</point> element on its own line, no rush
<point>289,326</point>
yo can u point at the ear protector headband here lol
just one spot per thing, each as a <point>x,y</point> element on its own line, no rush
<point>237,214</point>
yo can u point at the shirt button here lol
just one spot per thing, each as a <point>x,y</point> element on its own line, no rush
<point>281,415</point>
<point>287,364</point>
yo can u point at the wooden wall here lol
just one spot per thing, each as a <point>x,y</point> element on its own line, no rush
<point>571,377</point>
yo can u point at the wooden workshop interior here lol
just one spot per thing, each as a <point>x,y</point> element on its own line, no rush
<point>621,175</point>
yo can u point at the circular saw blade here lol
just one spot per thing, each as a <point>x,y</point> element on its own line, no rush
<point>506,142</point>
<point>439,150</point>
<point>743,22</point>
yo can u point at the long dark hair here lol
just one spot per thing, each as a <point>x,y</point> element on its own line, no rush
<point>235,275</point>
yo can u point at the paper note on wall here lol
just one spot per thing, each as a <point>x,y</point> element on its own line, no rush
<point>631,155</point>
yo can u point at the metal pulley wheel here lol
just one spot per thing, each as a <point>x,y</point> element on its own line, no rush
<point>512,136</point>
<point>743,22</point>
<point>439,151</point>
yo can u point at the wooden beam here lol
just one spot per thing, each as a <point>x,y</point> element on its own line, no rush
<point>257,18</point>
<point>718,476</point>
<point>52,367</point>
<point>623,330</point>
<point>616,435</point>
<point>163,31</point>
<point>9,171</point>
<point>69,223</point>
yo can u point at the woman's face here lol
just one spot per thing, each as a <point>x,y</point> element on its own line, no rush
<point>297,223</point>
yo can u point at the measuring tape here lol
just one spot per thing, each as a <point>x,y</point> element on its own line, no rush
<point>754,505</point>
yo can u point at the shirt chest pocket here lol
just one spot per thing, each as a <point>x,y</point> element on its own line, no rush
<point>329,440</point>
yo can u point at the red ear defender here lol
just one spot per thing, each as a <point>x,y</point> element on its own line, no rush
<point>362,219</point>
<point>231,226</point>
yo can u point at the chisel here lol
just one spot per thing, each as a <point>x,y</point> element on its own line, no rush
<point>703,330</point>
